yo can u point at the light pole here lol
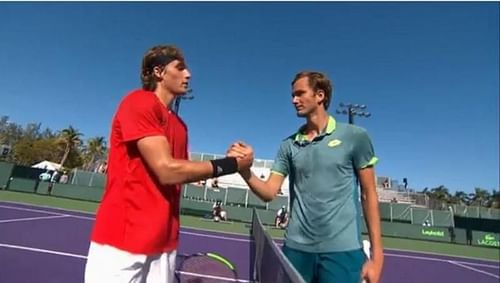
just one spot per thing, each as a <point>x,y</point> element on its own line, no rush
<point>177,101</point>
<point>353,110</point>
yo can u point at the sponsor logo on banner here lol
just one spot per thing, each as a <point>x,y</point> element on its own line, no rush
<point>432,233</point>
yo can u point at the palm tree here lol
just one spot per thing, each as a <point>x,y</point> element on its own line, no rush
<point>10,133</point>
<point>495,199</point>
<point>480,196</point>
<point>4,122</point>
<point>440,193</point>
<point>425,191</point>
<point>438,197</point>
<point>70,138</point>
<point>460,197</point>
<point>95,150</point>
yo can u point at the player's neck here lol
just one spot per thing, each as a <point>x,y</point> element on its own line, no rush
<point>317,122</point>
<point>164,96</point>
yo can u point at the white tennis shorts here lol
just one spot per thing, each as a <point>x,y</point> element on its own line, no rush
<point>111,265</point>
<point>367,248</point>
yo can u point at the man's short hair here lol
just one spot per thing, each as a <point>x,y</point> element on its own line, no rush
<point>160,56</point>
<point>317,81</point>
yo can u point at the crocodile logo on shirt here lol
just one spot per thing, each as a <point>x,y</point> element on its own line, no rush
<point>334,143</point>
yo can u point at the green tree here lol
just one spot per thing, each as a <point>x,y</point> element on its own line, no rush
<point>28,152</point>
<point>4,122</point>
<point>438,197</point>
<point>460,197</point>
<point>10,134</point>
<point>440,193</point>
<point>32,131</point>
<point>480,197</point>
<point>94,150</point>
<point>75,159</point>
<point>495,199</point>
<point>70,138</point>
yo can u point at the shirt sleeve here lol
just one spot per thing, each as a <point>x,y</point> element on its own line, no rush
<point>140,119</point>
<point>363,152</point>
<point>281,165</point>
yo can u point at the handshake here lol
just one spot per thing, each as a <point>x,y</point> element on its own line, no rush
<point>243,154</point>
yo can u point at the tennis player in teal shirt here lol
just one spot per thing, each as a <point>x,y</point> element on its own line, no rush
<point>325,161</point>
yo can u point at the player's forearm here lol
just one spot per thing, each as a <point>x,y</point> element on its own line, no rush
<point>372,218</point>
<point>177,171</point>
<point>258,186</point>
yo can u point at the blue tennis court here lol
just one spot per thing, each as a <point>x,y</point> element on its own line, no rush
<point>40,244</point>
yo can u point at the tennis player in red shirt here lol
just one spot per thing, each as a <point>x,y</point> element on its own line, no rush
<point>136,230</point>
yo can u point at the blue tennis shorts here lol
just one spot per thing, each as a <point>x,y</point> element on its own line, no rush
<point>342,267</point>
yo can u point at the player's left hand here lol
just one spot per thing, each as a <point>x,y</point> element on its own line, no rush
<point>371,272</point>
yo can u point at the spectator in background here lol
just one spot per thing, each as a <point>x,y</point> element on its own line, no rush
<point>386,183</point>
<point>64,178</point>
<point>218,212</point>
<point>55,177</point>
<point>215,183</point>
<point>103,168</point>
<point>468,235</point>
<point>453,236</point>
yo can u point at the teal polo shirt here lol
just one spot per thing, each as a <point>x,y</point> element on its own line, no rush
<point>324,198</point>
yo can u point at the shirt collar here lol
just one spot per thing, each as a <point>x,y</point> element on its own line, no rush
<point>330,128</point>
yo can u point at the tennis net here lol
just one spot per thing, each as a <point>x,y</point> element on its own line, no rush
<point>269,264</point>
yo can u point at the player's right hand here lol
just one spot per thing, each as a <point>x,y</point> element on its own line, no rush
<point>243,154</point>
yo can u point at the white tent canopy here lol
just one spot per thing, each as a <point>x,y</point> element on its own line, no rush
<point>47,165</point>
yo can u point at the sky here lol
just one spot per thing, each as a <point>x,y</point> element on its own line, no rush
<point>428,73</point>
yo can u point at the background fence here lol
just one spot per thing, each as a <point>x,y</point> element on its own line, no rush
<point>398,219</point>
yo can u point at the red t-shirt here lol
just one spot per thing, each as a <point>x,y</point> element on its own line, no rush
<point>137,214</point>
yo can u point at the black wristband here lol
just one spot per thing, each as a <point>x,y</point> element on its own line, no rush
<point>224,166</point>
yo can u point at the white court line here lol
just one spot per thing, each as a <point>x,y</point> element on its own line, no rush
<point>476,264</point>
<point>30,209</point>
<point>474,269</point>
<point>438,254</point>
<point>439,260</point>
<point>45,251</point>
<point>215,237</point>
<point>93,218</point>
<point>248,240</point>
<point>42,206</point>
<point>32,218</point>
<point>225,279</point>
<point>47,212</point>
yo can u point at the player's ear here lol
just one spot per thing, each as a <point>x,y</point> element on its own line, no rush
<point>157,70</point>
<point>321,95</point>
